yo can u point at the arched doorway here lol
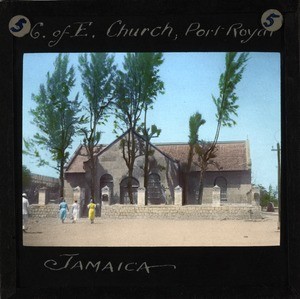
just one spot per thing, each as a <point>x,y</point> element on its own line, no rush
<point>222,183</point>
<point>124,190</point>
<point>155,192</point>
<point>107,181</point>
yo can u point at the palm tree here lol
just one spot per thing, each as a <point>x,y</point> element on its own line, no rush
<point>195,122</point>
<point>226,107</point>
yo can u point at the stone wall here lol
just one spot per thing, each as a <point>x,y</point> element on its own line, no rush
<point>46,181</point>
<point>42,211</point>
<point>182,212</point>
<point>163,212</point>
<point>238,184</point>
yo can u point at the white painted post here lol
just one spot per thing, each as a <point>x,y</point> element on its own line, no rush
<point>255,196</point>
<point>216,196</point>
<point>42,196</point>
<point>178,196</point>
<point>141,196</point>
<point>105,191</point>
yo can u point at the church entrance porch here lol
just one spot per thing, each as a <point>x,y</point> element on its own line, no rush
<point>155,191</point>
<point>125,190</point>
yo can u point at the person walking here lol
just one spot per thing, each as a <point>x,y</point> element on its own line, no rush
<point>92,210</point>
<point>75,211</point>
<point>63,208</point>
<point>25,205</point>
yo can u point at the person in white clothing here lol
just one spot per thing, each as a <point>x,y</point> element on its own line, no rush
<point>25,206</point>
<point>75,211</point>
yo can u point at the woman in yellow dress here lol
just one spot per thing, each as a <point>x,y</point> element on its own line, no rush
<point>92,210</point>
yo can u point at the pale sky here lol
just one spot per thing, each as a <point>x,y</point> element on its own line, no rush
<point>190,81</point>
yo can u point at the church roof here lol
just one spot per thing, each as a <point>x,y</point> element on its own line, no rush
<point>231,156</point>
<point>76,162</point>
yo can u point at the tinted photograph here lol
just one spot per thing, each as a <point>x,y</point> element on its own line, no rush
<point>150,149</point>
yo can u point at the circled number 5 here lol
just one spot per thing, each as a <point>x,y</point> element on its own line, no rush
<point>270,19</point>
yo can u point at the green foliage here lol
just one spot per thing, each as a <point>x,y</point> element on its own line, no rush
<point>26,178</point>
<point>98,73</point>
<point>149,133</point>
<point>226,105</point>
<point>267,196</point>
<point>226,102</point>
<point>137,88</point>
<point>55,114</point>
<point>195,122</point>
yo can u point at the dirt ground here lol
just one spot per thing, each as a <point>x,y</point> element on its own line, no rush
<point>146,232</point>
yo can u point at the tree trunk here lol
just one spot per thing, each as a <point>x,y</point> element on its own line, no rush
<point>92,186</point>
<point>201,185</point>
<point>61,179</point>
<point>185,188</point>
<point>186,174</point>
<point>131,152</point>
<point>146,172</point>
<point>129,187</point>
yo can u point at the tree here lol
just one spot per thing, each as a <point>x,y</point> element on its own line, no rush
<point>205,157</point>
<point>55,116</point>
<point>154,85</point>
<point>136,89</point>
<point>148,134</point>
<point>26,178</point>
<point>195,122</point>
<point>267,196</point>
<point>97,75</point>
<point>226,109</point>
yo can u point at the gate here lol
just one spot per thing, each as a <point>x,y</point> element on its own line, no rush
<point>155,192</point>
<point>124,195</point>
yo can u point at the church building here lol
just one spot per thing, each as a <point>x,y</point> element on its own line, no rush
<point>166,164</point>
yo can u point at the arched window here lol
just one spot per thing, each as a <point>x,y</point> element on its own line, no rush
<point>125,187</point>
<point>222,183</point>
<point>155,192</point>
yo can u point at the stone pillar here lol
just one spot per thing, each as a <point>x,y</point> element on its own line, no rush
<point>168,196</point>
<point>105,196</point>
<point>76,194</point>
<point>249,197</point>
<point>81,200</point>
<point>178,196</point>
<point>255,196</point>
<point>141,196</point>
<point>43,196</point>
<point>216,196</point>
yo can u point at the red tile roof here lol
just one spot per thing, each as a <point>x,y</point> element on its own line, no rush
<point>230,155</point>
